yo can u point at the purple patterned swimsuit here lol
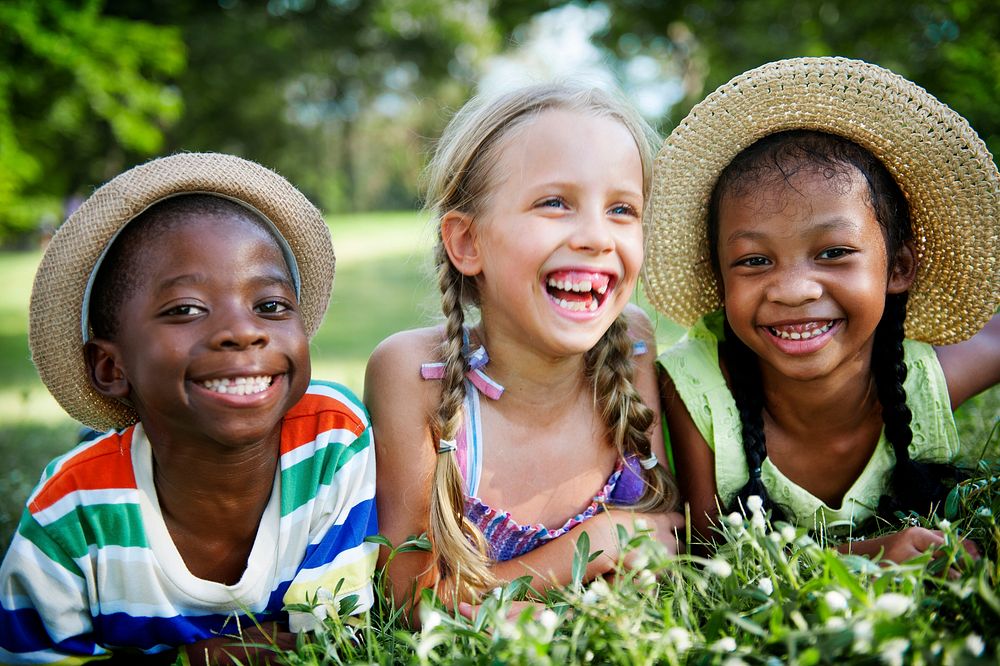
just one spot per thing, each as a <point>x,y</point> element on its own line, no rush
<point>506,538</point>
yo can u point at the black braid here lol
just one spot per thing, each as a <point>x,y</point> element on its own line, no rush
<point>748,392</point>
<point>915,486</point>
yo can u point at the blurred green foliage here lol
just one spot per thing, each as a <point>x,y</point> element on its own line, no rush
<point>344,96</point>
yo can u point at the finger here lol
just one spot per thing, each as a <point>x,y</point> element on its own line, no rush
<point>467,610</point>
<point>972,549</point>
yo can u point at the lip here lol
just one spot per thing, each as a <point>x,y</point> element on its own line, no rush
<point>801,347</point>
<point>606,281</point>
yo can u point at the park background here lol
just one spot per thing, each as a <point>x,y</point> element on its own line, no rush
<point>345,98</point>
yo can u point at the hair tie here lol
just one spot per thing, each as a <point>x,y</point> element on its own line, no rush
<point>755,473</point>
<point>446,445</point>
<point>650,462</point>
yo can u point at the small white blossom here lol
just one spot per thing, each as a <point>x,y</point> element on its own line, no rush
<point>724,644</point>
<point>757,521</point>
<point>974,644</point>
<point>719,568</point>
<point>734,661</point>
<point>775,537</point>
<point>735,519</point>
<point>680,638</point>
<point>640,525</point>
<point>589,597</point>
<point>893,651</point>
<point>835,601</point>
<point>646,579</point>
<point>755,503</point>
<point>429,620</point>
<point>985,511</point>
<point>863,633</point>
<point>835,622</point>
<point>766,585</point>
<point>892,604</point>
<point>788,533</point>
<point>600,588</point>
<point>944,524</point>
<point>548,619</point>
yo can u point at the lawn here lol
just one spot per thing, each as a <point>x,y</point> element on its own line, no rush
<point>771,594</point>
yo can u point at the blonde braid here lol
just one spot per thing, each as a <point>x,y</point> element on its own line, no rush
<point>458,547</point>
<point>610,367</point>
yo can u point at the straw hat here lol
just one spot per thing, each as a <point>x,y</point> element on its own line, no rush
<point>943,168</point>
<point>58,316</point>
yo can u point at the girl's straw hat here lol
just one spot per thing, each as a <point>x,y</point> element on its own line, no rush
<point>941,165</point>
<point>58,315</point>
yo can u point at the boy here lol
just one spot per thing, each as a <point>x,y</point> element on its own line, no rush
<point>175,307</point>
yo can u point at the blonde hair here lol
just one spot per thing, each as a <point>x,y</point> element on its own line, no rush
<point>460,177</point>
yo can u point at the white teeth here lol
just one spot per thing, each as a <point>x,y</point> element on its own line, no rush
<point>804,335</point>
<point>602,289</point>
<point>581,286</point>
<point>578,306</point>
<point>239,385</point>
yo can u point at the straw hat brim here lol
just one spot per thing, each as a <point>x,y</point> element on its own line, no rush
<point>55,328</point>
<point>943,168</point>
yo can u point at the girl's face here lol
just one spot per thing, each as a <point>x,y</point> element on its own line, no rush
<point>805,273</point>
<point>559,243</point>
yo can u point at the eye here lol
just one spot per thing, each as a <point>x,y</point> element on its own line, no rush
<point>753,262</point>
<point>834,253</point>
<point>623,209</point>
<point>184,310</point>
<point>272,307</point>
<point>551,202</point>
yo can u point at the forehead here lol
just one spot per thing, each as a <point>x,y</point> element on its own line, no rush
<point>226,232</point>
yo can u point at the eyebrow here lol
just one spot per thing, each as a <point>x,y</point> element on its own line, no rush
<point>834,224</point>
<point>260,281</point>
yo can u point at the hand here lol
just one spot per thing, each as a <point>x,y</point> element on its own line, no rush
<point>469,611</point>
<point>908,544</point>
<point>663,527</point>
<point>242,649</point>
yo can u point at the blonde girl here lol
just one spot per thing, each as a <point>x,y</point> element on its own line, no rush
<point>829,206</point>
<point>506,438</point>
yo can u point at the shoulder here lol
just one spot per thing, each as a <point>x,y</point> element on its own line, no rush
<point>326,405</point>
<point>393,382</point>
<point>402,353</point>
<point>640,327</point>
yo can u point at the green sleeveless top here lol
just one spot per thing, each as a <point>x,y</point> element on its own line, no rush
<point>693,365</point>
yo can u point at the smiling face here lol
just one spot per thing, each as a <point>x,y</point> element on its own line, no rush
<point>560,238</point>
<point>805,272</point>
<point>210,345</point>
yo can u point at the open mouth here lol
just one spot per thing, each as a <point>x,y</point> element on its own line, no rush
<point>805,331</point>
<point>238,385</point>
<point>579,291</point>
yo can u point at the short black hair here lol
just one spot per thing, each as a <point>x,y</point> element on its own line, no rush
<point>116,278</point>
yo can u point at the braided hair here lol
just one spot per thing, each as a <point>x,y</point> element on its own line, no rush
<point>461,176</point>
<point>778,157</point>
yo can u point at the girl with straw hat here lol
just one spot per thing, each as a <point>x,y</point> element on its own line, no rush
<point>828,205</point>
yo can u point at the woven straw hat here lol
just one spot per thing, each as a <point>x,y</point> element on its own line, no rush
<point>943,168</point>
<point>57,314</point>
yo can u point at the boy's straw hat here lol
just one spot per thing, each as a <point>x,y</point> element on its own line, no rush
<point>941,165</point>
<point>57,313</point>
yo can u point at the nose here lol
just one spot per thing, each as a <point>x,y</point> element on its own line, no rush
<point>238,329</point>
<point>593,232</point>
<point>793,286</point>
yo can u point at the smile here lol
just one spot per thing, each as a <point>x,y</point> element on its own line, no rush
<point>578,291</point>
<point>800,331</point>
<point>239,385</point>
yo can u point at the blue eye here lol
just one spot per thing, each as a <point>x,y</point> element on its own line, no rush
<point>551,202</point>
<point>623,209</point>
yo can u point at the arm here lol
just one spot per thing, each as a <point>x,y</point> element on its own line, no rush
<point>973,365</point>
<point>695,460</point>
<point>400,403</point>
<point>641,328</point>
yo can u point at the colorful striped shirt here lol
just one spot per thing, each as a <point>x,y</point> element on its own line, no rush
<point>92,567</point>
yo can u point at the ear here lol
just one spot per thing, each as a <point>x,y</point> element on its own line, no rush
<point>903,271</point>
<point>461,242</point>
<point>107,374</point>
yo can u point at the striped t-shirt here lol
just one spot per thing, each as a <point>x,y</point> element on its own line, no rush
<point>92,567</point>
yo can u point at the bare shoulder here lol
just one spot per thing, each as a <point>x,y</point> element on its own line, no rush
<point>640,326</point>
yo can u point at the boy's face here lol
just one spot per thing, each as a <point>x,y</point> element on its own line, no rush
<point>210,345</point>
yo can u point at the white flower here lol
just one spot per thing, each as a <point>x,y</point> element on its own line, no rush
<point>734,661</point>
<point>719,568</point>
<point>775,537</point>
<point>863,633</point>
<point>589,597</point>
<point>892,604</point>
<point>548,619</point>
<point>755,503</point>
<point>944,524</point>
<point>757,521</point>
<point>835,622</point>
<point>893,651</point>
<point>985,512</point>
<point>974,644</point>
<point>724,644</point>
<point>640,525</point>
<point>766,585</point>
<point>429,620</point>
<point>788,533</point>
<point>835,601</point>
<point>680,638</point>
<point>735,519</point>
<point>646,579</point>
<point>496,592</point>
<point>600,588</point>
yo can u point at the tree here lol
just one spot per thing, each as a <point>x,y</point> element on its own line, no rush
<point>77,90</point>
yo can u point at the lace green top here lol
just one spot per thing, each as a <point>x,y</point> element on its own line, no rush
<point>693,365</point>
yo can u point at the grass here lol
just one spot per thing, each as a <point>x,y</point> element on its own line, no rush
<point>783,598</point>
